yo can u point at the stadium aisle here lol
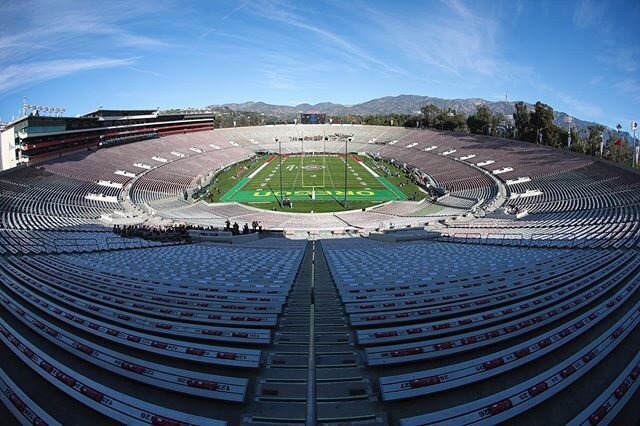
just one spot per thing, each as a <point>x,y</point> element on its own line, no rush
<point>280,391</point>
<point>343,389</point>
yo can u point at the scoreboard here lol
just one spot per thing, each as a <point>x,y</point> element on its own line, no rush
<point>313,118</point>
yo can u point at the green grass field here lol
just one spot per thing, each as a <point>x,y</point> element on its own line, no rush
<point>312,183</point>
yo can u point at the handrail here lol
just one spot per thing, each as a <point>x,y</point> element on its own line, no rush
<point>311,415</point>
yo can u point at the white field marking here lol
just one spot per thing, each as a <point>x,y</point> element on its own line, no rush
<point>257,170</point>
<point>375,175</point>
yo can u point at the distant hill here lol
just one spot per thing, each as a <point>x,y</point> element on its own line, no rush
<point>402,104</point>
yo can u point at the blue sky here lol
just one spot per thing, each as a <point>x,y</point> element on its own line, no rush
<point>581,57</point>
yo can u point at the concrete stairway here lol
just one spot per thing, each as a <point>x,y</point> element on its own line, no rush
<point>329,387</point>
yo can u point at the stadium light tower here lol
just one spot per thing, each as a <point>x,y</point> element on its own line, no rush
<point>568,120</point>
<point>276,140</point>
<point>634,126</point>
<point>346,152</point>
<point>28,108</point>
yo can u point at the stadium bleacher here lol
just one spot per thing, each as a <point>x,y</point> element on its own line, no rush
<point>494,318</point>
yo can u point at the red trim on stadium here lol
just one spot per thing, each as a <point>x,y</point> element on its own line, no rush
<point>166,130</point>
<point>60,151</point>
<point>92,141</point>
<point>199,129</point>
<point>58,142</point>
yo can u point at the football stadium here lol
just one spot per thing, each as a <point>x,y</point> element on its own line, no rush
<point>444,308</point>
<point>228,266</point>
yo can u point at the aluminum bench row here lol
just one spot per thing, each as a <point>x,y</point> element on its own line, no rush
<point>460,374</point>
<point>111,403</point>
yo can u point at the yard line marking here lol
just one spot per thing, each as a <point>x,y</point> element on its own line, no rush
<point>293,187</point>
<point>257,170</point>
<point>367,168</point>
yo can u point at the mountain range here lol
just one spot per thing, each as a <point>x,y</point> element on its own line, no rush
<point>402,104</point>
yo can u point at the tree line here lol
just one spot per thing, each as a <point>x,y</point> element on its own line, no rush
<point>534,126</point>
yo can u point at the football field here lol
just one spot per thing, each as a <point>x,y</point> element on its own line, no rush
<point>311,178</point>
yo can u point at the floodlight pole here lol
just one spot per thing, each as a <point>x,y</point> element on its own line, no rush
<point>635,149</point>
<point>280,156</point>
<point>346,152</point>
<point>601,145</point>
<point>634,160</point>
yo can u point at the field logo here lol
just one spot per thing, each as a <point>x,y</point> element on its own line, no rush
<point>312,167</point>
<point>318,192</point>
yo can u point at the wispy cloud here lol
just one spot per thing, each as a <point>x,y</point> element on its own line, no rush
<point>560,100</point>
<point>628,87</point>
<point>285,14</point>
<point>623,58</point>
<point>589,12</point>
<point>585,109</point>
<point>23,75</point>
<point>286,72</point>
<point>236,9</point>
<point>595,79</point>
<point>278,80</point>
<point>145,71</point>
<point>40,43</point>
<point>468,48</point>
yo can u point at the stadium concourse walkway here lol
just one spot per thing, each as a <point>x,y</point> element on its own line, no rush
<point>332,385</point>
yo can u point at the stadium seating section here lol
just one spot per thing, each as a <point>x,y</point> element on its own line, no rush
<point>525,320</point>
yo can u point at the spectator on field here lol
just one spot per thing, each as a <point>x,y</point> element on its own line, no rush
<point>236,228</point>
<point>245,228</point>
